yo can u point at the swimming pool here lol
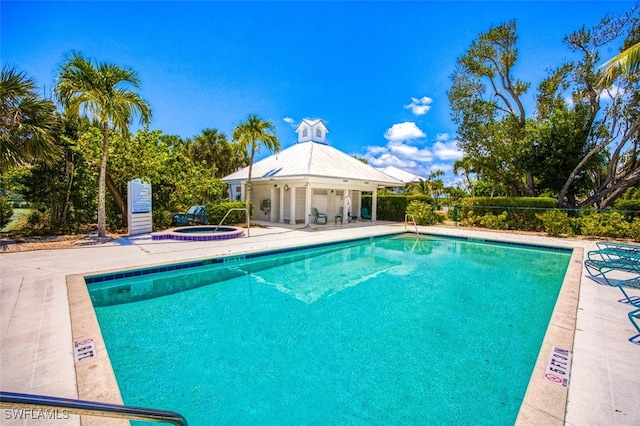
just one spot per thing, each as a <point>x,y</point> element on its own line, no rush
<point>371,333</point>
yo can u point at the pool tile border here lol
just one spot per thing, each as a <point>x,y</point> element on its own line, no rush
<point>110,276</point>
<point>544,402</point>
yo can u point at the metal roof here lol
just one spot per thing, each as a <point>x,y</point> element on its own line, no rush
<point>400,174</point>
<point>313,159</point>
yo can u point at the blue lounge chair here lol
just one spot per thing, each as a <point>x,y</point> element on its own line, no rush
<point>634,317</point>
<point>196,215</point>
<point>364,214</point>
<point>602,262</point>
<point>319,217</point>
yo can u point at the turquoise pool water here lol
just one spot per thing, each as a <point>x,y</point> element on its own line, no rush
<point>376,332</point>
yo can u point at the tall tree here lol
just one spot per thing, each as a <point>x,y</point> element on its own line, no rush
<point>252,135</point>
<point>614,121</point>
<point>431,186</point>
<point>28,123</point>
<point>212,148</point>
<point>486,106</point>
<point>104,93</point>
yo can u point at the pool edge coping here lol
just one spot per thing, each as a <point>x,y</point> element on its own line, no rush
<point>95,378</point>
<point>543,400</point>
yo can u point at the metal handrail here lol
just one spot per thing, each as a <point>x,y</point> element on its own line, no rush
<point>227,214</point>
<point>89,408</point>
<point>413,219</point>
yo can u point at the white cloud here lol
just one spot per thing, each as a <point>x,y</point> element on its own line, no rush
<point>443,137</point>
<point>404,132</point>
<point>408,152</point>
<point>289,120</point>
<point>447,150</point>
<point>445,167</point>
<point>607,95</point>
<point>422,159</point>
<point>420,106</point>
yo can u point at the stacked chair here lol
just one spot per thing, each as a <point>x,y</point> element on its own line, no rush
<point>621,260</point>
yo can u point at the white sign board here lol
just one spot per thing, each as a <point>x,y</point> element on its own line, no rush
<point>84,349</point>
<point>140,196</point>
<point>139,211</point>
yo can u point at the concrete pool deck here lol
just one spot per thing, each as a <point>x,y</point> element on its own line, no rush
<point>36,353</point>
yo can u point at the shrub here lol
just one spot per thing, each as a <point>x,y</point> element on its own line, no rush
<point>555,222</point>
<point>492,221</point>
<point>632,205</point>
<point>161,219</point>
<point>217,210</point>
<point>605,224</point>
<point>468,219</point>
<point>424,214</point>
<point>521,211</point>
<point>6,211</point>
<point>634,229</point>
<point>393,207</point>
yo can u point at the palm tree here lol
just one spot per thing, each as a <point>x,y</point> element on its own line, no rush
<point>251,135</point>
<point>28,124</point>
<point>431,186</point>
<point>213,148</point>
<point>626,62</point>
<point>209,147</point>
<point>102,92</point>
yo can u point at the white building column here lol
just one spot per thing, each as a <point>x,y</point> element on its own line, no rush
<point>346,206</point>
<point>281,202</point>
<point>307,204</point>
<point>292,205</point>
<point>374,205</point>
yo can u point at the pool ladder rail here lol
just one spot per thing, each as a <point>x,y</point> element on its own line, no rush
<point>22,401</point>
<point>231,210</point>
<point>415,226</point>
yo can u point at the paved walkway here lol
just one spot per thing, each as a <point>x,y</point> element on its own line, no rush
<point>35,332</point>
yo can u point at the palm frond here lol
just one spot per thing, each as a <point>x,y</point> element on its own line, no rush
<point>626,62</point>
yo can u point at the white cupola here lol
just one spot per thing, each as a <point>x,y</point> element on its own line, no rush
<point>312,130</point>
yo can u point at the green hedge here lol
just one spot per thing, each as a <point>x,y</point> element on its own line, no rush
<point>393,207</point>
<point>217,210</point>
<point>520,211</point>
<point>631,205</point>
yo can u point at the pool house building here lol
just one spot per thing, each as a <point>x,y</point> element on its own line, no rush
<point>310,176</point>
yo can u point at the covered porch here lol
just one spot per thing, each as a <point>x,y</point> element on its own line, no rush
<point>296,201</point>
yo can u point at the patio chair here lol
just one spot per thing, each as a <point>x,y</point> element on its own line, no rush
<point>613,251</point>
<point>634,317</point>
<point>339,216</point>
<point>364,214</point>
<point>601,263</point>
<point>317,216</point>
<point>599,268</point>
<point>606,245</point>
<point>196,215</point>
<point>352,217</point>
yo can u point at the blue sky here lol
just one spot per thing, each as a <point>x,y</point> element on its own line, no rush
<point>377,73</point>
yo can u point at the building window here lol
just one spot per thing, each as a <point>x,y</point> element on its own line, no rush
<point>319,133</point>
<point>304,132</point>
